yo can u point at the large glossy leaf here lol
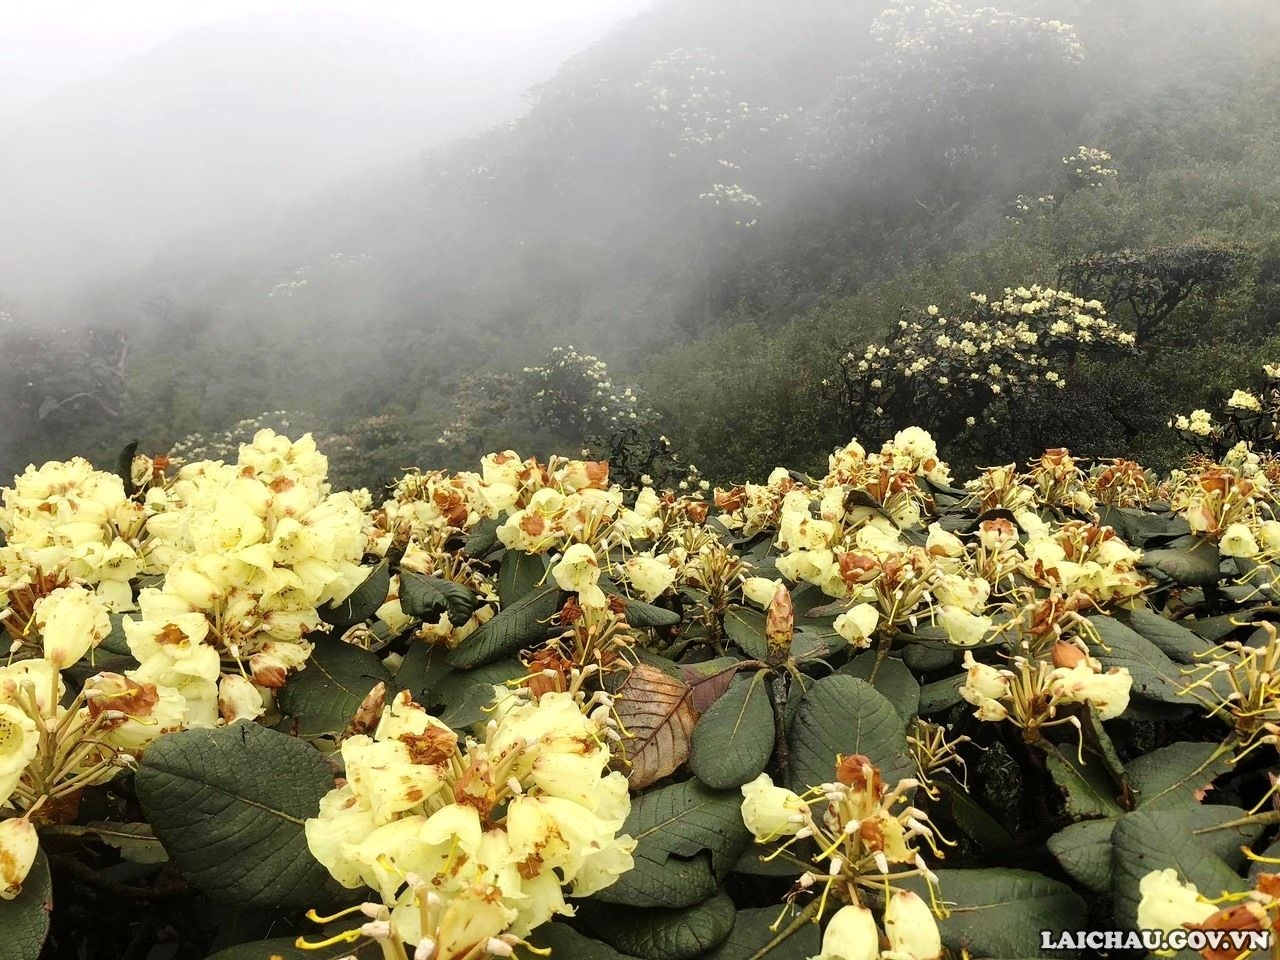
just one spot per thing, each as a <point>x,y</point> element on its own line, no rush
<point>24,920</point>
<point>733,741</point>
<point>521,624</point>
<point>1192,566</point>
<point>666,933</point>
<point>229,806</point>
<point>519,574</point>
<point>564,941</point>
<point>971,817</point>
<point>483,538</point>
<point>745,627</point>
<point>323,697</point>
<point>842,715</point>
<point>941,694</point>
<point>1087,788</point>
<point>656,711</point>
<point>687,836</point>
<point>464,696</point>
<point>1174,640</point>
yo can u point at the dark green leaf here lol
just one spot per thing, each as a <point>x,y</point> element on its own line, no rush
<point>842,715</point>
<point>665,933</point>
<point>1087,788</point>
<point>422,670</point>
<point>1171,776</point>
<point>24,920</point>
<point>1195,566</point>
<point>926,659</point>
<point>427,598</point>
<point>687,836</point>
<point>229,806</point>
<point>1206,823</point>
<point>464,695</point>
<point>519,574</point>
<point>733,741</point>
<point>1084,850</point>
<point>1147,840</point>
<point>894,679</point>
<point>1000,912</point>
<point>1174,640</point>
<point>565,942</point>
<point>323,697</point>
<point>941,694</point>
<point>522,624</point>
<point>483,538</point>
<point>975,821</point>
<point>745,627</point>
<point>751,938</point>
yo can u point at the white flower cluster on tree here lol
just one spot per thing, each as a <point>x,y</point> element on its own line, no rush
<point>942,367</point>
<point>1089,166</point>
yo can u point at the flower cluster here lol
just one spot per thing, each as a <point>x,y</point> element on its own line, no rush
<point>1088,165</point>
<point>687,88</point>
<point>470,845</point>
<point>250,552</point>
<point>731,194</point>
<point>946,61</point>
<point>846,534</point>
<point>1240,682</point>
<point>64,522</point>
<point>1230,501</point>
<point>1251,417</point>
<point>914,28</point>
<point>868,838</point>
<point>1031,694</point>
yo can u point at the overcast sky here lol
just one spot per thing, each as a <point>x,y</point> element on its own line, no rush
<point>48,44</point>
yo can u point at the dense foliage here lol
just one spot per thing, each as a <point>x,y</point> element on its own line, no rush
<point>527,708</point>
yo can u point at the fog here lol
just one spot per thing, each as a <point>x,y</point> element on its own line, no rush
<point>375,216</point>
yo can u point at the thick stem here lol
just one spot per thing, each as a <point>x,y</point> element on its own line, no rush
<point>778,700</point>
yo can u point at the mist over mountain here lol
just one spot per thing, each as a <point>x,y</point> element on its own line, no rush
<point>236,122</point>
<point>720,198</point>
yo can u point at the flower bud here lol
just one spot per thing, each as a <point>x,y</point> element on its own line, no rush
<point>70,621</point>
<point>851,934</point>
<point>911,928</point>
<point>770,811</point>
<point>18,848</point>
<point>779,626</point>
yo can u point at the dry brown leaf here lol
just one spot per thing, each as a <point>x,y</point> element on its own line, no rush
<point>656,710</point>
